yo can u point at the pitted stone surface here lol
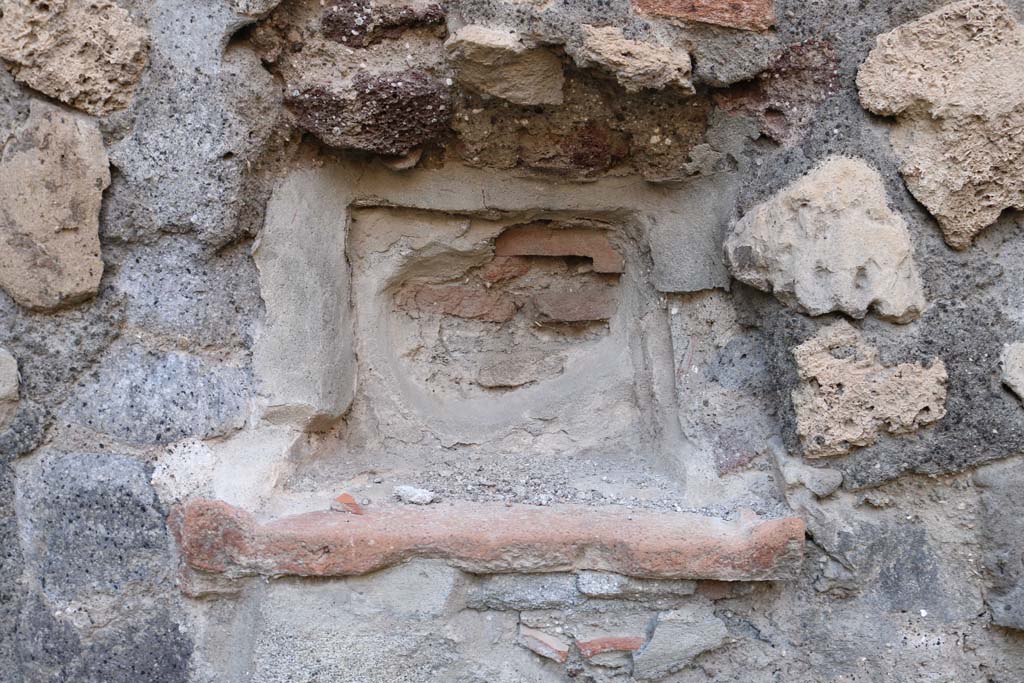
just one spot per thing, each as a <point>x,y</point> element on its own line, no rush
<point>847,397</point>
<point>955,81</point>
<point>750,15</point>
<point>10,383</point>
<point>636,65</point>
<point>89,55</point>
<point>829,242</point>
<point>52,177</point>
<point>499,63</point>
<point>679,636</point>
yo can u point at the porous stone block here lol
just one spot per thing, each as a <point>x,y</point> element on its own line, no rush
<point>500,63</point>
<point>1002,523</point>
<point>488,538</point>
<point>829,242</point>
<point>524,592</point>
<point>9,385</point>
<point>847,397</point>
<point>748,15</point>
<point>615,586</point>
<point>635,64</point>
<point>955,81</point>
<point>52,178</point>
<point>89,55</point>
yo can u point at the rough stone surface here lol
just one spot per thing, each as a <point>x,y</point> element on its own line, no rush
<point>749,15</point>
<point>89,55</point>
<point>501,64</point>
<point>523,592</point>
<point>1012,363</point>
<point>830,242</point>
<point>218,538</point>
<point>1004,558</point>
<point>52,177</point>
<point>635,65</point>
<point>414,495</point>
<point>679,636</point>
<point>954,79</point>
<point>848,396</point>
<point>362,23</point>
<point>604,585</point>
<point>10,383</point>
<point>149,397</point>
<point>384,114</point>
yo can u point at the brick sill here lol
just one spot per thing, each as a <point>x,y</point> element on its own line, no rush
<point>217,538</point>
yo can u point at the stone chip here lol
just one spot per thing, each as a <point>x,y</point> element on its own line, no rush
<point>52,177</point>
<point>89,55</point>
<point>955,81</point>
<point>829,242</point>
<point>847,397</point>
<point>636,65</point>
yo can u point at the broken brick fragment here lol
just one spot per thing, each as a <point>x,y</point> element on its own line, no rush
<point>462,301</point>
<point>544,644</point>
<point>541,240</point>
<point>748,15</point>
<point>583,305</point>
<point>596,646</point>
<point>346,503</point>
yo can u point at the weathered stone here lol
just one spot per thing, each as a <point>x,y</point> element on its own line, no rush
<point>52,178</point>
<point>150,397</point>
<point>544,644</point>
<point>1003,527</point>
<point>955,80</point>
<point>829,242</point>
<point>749,15</point>
<point>523,592</point>
<point>414,495</point>
<point>304,360</point>
<point>679,636</point>
<point>540,240</point>
<point>499,63</point>
<point>508,370</point>
<point>615,586</point>
<point>360,23</point>
<point>488,538</point>
<point>1012,364</point>
<point>847,396</point>
<point>9,385</point>
<point>89,55</point>
<point>381,113</point>
<point>635,64</point>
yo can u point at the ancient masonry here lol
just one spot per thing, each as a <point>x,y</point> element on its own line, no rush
<point>511,341</point>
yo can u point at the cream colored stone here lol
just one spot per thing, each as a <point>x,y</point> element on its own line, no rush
<point>9,383</point>
<point>636,65</point>
<point>829,242</point>
<point>497,62</point>
<point>955,80</point>
<point>52,177</point>
<point>88,54</point>
<point>846,396</point>
<point>1013,368</point>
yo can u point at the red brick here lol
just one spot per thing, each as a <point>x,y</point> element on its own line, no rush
<point>588,303</point>
<point>505,268</point>
<point>346,503</point>
<point>544,644</point>
<point>540,240</point>
<point>596,646</point>
<point>462,301</point>
<point>749,15</point>
<point>487,538</point>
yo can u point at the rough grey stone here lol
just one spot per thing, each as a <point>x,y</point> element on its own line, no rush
<point>1012,363</point>
<point>523,591</point>
<point>605,585</point>
<point>679,636</point>
<point>147,396</point>
<point>201,116</point>
<point>14,105</point>
<point>1003,524</point>
<point>179,289</point>
<point>414,495</point>
<point>11,565</point>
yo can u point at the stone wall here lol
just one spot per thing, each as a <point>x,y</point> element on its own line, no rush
<point>511,341</point>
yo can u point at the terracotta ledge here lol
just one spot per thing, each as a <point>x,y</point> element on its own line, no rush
<point>218,538</point>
